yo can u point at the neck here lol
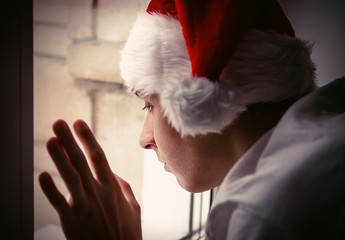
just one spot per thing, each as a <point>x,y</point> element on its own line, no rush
<point>218,153</point>
<point>241,135</point>
<point>248,128</point>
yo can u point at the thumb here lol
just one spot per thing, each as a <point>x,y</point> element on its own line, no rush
<point>126,190</point>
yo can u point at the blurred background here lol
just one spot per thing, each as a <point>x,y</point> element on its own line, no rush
<point>321,23</point>
<point>76,76</point>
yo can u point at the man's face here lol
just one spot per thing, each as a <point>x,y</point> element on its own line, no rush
<point>199,163</point>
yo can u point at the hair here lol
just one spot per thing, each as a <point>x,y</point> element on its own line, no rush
<point>279,106</point>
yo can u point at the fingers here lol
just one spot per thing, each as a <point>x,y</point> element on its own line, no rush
<point>94,151</point>
<point>52,193</point>
<point>127,191</point>
<point>73,151</point>
<point>66,170</point>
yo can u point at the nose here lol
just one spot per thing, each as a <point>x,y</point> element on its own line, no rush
<point>147,140</point>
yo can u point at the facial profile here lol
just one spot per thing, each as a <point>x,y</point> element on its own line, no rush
<point>193,160</point>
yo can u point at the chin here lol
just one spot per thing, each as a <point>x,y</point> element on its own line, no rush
<point>192,187</point>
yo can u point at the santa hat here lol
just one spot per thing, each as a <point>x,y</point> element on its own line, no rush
<point>208,60</point>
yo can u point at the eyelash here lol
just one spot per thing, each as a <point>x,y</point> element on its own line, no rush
<point>147,108</point>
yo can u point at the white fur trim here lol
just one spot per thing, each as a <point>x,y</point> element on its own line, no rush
<point>155,60</point>
<point>269,67</point>
<point>154,51</point>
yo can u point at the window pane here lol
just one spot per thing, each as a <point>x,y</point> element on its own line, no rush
<point>76,76</point>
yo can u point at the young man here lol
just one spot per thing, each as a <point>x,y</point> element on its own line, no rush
<point>217,78</point>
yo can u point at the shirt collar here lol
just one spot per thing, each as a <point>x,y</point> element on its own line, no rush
<point>245,166</point>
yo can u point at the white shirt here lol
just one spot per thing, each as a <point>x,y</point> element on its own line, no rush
<point>291,183</point>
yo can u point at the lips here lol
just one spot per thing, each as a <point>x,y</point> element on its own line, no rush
<point>166,167</point>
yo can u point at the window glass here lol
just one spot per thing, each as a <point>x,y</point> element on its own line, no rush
<point>76,76</point>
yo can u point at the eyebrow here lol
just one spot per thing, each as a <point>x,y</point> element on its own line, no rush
<point>137,94</point>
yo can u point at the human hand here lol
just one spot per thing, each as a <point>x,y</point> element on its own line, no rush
<point>102,206</point>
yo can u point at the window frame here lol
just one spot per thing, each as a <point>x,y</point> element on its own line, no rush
<point>17,120</point>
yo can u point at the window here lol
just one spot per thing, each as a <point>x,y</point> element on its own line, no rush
<point>76,76</point>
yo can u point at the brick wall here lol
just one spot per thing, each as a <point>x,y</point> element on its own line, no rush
<point>76,76</point>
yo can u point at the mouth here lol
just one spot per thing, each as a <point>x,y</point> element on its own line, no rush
<point>166,167</point>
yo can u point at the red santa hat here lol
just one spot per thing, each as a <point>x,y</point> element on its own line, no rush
<point>208,60</point>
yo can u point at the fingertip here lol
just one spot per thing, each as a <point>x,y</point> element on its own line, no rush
<point>59,122</point>
<point>43,175</point>
<point>80,121</point>
<point>80,125</point>
<point>44,178</point>
<point>60,125</point>
<point>51,142</point>
<point>52,193</point>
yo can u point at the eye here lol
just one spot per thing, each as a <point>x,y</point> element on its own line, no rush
<point>147,107</point>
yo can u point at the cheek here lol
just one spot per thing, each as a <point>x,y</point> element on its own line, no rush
<point>163,132</point>
<point>168,141</point>
<point>171,147</point>
<point>182,156</point>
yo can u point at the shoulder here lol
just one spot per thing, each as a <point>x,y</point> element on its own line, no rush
<point>320,106</point>
<point>298,182</point>
<point>234,221</point>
